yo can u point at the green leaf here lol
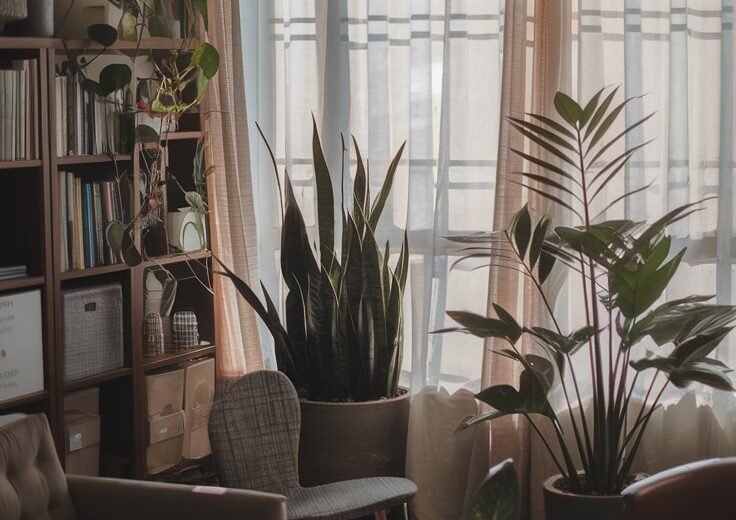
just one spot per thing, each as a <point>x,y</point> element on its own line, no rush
<point>552,124</point>
<point>540,232</point>
<point>297,259</point>
<point>128,25</point>
<point>530,398</point>
<point>550,197</point>
<point>382,197</point>
<point>568,109</point>
<point>92,86</point>
<point>546,263</point>
<point>608,121</point>
<point>599,113</point>
<point>481,326</point>
<point>542,132</point>
<point>146,134</point>
<point>114,234</point>
<point>522,230</point>
<point>325,197</point>
<point>546,165</point>
<point>514,327</point>
<point>160,26</point>
<point>360,190</point>
<point>102,33</point>
<point>207,58</point>
<point>590,108</point>
<point>547,146</point>
<point>497,498</point>
<point>129,251</point>
<point>115,77</point>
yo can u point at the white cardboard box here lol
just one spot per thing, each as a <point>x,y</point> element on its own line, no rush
<point>21,345</point>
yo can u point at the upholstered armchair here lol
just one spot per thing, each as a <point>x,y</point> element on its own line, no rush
<point>34,487</point>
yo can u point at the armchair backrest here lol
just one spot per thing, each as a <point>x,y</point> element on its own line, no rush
<point>254,432</point>
<point>703,489</point>
<point>32,483</point>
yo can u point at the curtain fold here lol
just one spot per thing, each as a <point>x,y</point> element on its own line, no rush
<point>232,216</point>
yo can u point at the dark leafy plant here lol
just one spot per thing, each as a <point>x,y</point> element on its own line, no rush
<point>497,498</point>
<point>342,334</point>
<point>625,267</point>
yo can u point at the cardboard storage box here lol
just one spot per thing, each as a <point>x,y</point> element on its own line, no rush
<point>166,436</point>
<point>82,439</point>
<point>83,401</point>
<point>165,392</point>
<point>21,345</point>
<point>199,394</point>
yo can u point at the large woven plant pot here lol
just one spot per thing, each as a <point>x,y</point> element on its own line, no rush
<point>341,441</point>
<point>563,505</point>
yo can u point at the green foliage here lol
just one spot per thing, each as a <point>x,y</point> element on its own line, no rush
<point>625,268</point>
<point>497,498</point>
<point>341,337</point>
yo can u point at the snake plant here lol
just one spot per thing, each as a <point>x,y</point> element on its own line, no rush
<point>342,334</point>
<point>629,335</point>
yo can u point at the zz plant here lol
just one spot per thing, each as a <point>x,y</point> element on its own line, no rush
<point>342,334</point>
<point>624,267</point>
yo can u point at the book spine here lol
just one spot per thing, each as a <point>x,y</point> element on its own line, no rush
<point>88,226</point>
<point>3,121</point>
<point>98,224</point>
<point>70,124</point>
<point>71,217</point>
<point>78,227</point>
<point>108,208</point>
<point>62,222</point>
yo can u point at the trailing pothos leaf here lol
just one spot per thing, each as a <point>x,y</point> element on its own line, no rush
<point>624,267</point>
<point>342,332</point>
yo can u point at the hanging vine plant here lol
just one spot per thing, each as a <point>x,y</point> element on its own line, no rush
<point>177,85</point>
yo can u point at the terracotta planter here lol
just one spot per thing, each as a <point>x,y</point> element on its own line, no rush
<point>341,441</point>
<point>563,505</point>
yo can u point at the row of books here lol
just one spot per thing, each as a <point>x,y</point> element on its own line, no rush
<point>19,111</point>
<point>13,271</point>
<point>87,208</point>
<point>89,124</point>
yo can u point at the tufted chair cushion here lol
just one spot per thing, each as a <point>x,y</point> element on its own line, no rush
<point>32,483</point>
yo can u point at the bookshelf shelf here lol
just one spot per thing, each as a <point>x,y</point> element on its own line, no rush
<point>27,282</point>
<point>172,358</point>
<point>41,242</point>
<point>24,400</point>
<point>86,382</point>
<point>93,271</point>
<point>89,159</point>
<point>20,165</point>
<point>178,257</point>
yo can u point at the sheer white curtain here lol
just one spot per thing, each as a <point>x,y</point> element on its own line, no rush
<point>426,72</point>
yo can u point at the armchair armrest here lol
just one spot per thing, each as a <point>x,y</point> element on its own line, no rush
<point>118,499</point>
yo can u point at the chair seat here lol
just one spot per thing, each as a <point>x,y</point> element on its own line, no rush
<point>349,499</point>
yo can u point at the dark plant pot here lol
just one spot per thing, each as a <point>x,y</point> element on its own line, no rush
<point>40,21</point>
<point>341,441</point>
<point>563,505</point>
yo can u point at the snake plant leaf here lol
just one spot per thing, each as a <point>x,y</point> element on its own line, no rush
<point>535,249</point>
<point>568,108</point>
<point>206,57</point>
<point>590,108</point>
<point>388,182</point>
<point>374,310</point>
<point>353,267</point>
<point>360,190</point>
<point>530,398</point>
<point>497,498</point>
<point>114,77</point>
<point>325,198</point>
<point>297,259</point>
<point>522,230</point>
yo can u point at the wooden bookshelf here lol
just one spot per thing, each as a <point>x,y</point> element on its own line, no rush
<point>123,405</point>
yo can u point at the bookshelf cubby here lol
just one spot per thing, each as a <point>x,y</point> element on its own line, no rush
<point>32,235</point>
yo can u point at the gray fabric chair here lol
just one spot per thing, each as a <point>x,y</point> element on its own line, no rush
<point>254,431</point>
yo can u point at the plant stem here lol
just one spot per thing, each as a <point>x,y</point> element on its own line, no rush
<point>547,445</point>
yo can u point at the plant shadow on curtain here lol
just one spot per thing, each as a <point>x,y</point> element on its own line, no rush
<point>427,72</point>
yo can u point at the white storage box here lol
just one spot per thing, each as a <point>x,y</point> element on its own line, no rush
<point>21,345</point>
<point>93,330</point>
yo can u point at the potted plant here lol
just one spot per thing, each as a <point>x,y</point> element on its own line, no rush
<point>624,267</point>
<point>341,339</point>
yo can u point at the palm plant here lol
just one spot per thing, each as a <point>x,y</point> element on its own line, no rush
<point>625,267</point>
<point>342,336</point>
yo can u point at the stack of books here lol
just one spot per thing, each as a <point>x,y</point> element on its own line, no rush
<point>87,208</point>
<point>88,124</point>
<point>19,111</point>
<point>13,271</point>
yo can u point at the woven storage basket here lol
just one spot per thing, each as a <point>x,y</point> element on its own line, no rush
<point>93,330</point>
<point>153,336</point>
<point>185,330</point>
